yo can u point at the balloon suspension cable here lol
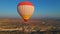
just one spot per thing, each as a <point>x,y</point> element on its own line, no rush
<point>28,27</point>
<point>23,28</point>
<point>26,24</point>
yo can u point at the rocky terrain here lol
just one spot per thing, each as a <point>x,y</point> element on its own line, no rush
<point>12,24</point>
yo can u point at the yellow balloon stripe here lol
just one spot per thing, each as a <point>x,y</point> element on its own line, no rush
<point>26,16</point>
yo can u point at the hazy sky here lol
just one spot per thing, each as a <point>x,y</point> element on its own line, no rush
<point>43,8</point>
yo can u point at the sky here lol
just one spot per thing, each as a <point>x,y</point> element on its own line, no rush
<point>43,8</point>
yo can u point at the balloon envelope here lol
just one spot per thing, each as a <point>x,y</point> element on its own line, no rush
<point>25,9</point>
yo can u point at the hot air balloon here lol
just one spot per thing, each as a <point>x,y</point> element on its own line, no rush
<point>25,9</point>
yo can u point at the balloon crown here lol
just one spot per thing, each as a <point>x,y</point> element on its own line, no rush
<point>25,3</point>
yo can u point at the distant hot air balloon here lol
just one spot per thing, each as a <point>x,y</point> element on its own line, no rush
<point>25,9</point>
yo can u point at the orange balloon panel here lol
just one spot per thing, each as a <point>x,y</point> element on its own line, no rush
<point>25,9</point>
